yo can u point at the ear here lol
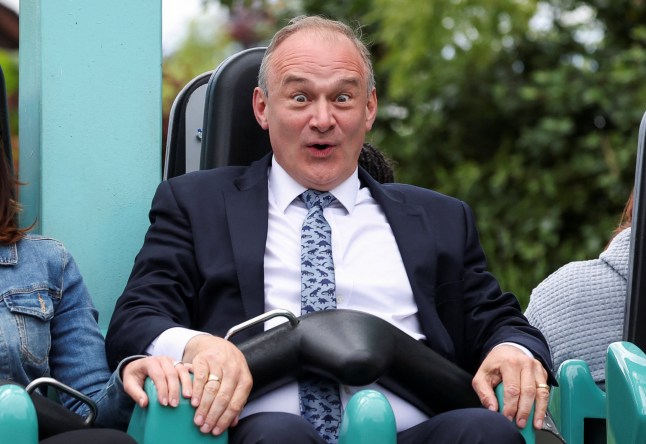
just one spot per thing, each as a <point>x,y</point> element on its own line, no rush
<point>371,109</point>
<point>260,107</point>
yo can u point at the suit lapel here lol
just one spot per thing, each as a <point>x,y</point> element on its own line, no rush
<point>247,210</point>
<point>417,245</point>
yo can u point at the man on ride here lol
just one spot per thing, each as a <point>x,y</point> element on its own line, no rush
<point>224,245</point>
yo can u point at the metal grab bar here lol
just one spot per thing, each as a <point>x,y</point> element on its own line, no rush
<point>293,320</point>
<point>38,382</point>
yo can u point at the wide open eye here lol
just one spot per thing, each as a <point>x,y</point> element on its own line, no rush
<point>343,98</point>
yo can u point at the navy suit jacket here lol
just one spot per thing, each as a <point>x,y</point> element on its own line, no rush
<point>201,266</point>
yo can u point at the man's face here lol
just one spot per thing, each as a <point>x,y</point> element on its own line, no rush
<point>318,109</point>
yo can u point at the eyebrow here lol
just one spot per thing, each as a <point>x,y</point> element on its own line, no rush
<point>295,79</point>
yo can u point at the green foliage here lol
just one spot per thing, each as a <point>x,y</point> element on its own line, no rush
<point>209,40</point>
<point>9,63</point>
<point>203,49</point>
<point>527,110</point>
<point>536,129</point>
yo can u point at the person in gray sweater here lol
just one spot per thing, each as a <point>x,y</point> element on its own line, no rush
<point>580,307</point>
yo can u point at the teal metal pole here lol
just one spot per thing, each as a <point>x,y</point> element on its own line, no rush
<point>90,130</point>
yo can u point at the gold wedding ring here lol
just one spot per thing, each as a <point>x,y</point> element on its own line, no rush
<point>213,377</point>
<point>542,386</point>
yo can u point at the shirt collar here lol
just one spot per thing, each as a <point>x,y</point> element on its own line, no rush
<point>285,189</point>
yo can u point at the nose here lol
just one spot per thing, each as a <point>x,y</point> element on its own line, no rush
<point>322,118</point>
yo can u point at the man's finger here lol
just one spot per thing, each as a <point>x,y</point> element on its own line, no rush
<point>482,385</point>
<point>542,397</point>
<point>527,395</point>
<point>235,403</point>
<point>200,375</point>
<point>213,403</point>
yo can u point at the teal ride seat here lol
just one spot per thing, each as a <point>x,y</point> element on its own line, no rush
<point>18,422</point>
<point>157,424</point>
<point>625,393</point>
<point>368,419</point>
<point>576,400</point>
<point>621,407</point>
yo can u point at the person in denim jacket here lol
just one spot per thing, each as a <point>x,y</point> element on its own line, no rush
<point>48,327</point>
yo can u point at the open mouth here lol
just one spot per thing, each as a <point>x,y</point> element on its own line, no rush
<point>320,146</point>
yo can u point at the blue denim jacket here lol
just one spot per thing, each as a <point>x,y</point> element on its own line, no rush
<point>48,327</point>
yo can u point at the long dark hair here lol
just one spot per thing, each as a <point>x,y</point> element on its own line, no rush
<point>626,220</point>
<point>9,206</point>
<point>627,216</point>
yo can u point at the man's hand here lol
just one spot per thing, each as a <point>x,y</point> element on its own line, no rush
<point>221,382</point>
<point>524,381</point>
<point>166,375</point>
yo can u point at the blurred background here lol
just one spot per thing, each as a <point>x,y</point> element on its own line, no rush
<point>527,110</point>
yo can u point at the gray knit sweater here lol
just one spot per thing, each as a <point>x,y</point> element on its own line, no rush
<point>580,307</point>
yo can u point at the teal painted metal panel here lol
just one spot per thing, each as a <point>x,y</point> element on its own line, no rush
<point>90,99</point>
<point>30,110</point>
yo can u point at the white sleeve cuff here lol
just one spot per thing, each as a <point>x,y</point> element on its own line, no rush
<point>513,344</point>
<point>172,342</point>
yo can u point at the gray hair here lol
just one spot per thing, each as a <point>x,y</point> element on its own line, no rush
<point>317,23</point>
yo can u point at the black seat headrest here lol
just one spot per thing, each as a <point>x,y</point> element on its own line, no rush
<point>231,135</point>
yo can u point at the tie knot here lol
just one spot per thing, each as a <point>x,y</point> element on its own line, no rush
<point>313,198</point>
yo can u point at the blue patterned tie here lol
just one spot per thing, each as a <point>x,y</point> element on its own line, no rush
<point>320,400</point>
